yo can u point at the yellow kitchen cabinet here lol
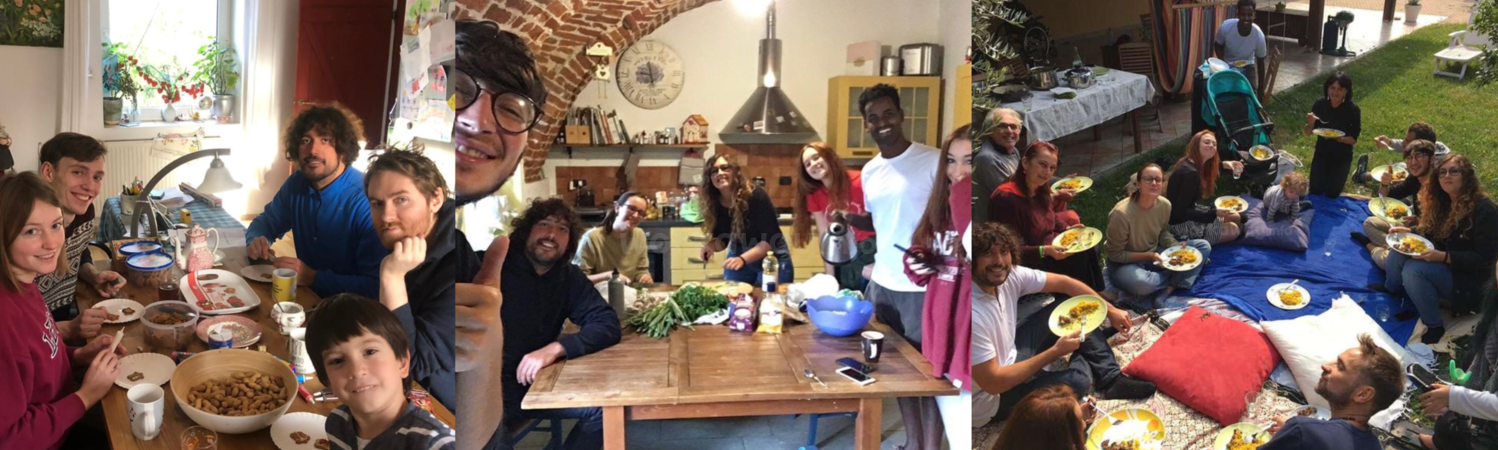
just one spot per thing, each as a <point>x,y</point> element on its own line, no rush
<point>688,237</point>
<point>807,260</point>
<point>964,96</point>
<point>920,98</point>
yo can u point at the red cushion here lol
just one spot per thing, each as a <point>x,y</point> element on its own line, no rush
<point>1208,363</point>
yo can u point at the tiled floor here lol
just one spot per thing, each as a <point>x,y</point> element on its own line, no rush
<point>743,433</point>
<point>1083,154</point>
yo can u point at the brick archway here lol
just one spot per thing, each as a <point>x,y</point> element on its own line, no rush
<point>559,32</point>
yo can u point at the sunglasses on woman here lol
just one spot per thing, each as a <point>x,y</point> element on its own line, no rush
<point>515,113</point>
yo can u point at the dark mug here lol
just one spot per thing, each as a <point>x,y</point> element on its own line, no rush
<point>873,346</point>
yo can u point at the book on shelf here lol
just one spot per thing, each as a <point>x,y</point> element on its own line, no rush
<point>593,126</point>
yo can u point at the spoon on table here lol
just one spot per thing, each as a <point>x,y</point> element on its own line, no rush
<point>813,375</point>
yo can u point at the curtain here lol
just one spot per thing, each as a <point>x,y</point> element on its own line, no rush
<point>1183,39</point>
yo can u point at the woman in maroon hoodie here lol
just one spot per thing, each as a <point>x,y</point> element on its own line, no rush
<point>937,261</point>
<point>38,399</point>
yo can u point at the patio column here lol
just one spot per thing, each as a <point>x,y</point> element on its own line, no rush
<point>1317,19</point>
<point>1388,10</point>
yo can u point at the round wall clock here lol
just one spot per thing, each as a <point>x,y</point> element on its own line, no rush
<point>651,75</point>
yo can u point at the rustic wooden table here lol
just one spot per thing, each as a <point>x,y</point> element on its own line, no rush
<point>174,420</point>
<point>714,372</point>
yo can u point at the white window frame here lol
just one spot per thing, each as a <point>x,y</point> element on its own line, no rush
<point>83,92</point>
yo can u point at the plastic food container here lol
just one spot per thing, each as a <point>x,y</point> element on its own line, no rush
<point>149,269</point>
<point>139,247</point>
<point>161,336</point>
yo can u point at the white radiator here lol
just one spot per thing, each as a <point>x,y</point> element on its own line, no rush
<point>131,160</point>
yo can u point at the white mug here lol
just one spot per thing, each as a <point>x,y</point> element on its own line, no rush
<point>288,316</point>
<point>297,349</point>
<point>146,403</point>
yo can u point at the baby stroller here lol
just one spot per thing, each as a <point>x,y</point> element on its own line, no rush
<point>1233,112</point>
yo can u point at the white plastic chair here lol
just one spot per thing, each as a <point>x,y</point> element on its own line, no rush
<point>1465,46</point>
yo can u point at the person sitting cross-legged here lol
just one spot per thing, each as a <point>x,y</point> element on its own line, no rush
<point>1010,347</point>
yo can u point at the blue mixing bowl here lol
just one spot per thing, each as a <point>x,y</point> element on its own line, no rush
<point>839,316</point>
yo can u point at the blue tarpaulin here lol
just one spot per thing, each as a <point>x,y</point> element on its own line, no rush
<point>1332,265</point>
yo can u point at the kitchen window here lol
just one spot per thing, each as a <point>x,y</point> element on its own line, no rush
<point>164,37</point>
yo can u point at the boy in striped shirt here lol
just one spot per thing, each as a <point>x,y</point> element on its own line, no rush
<point>359,350</point>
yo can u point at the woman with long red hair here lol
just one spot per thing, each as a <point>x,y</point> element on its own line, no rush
<point>1050,418</point>
<point>1192,179</point>
<point>938,262</point>
<point>1027,204</point>
<point>825,187</point>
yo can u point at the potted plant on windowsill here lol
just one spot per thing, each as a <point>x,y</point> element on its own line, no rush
<point>168,86</point>
<point>118,81</point>
<point>1412,11</point>
<point>217,69</point>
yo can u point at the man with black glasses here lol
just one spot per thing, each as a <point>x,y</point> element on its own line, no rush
<point>499,98</point>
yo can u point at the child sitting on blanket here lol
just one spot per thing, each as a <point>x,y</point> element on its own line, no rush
<point>1283,201</point>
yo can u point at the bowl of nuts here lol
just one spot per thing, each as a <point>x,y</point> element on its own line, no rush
<point>233,391</point>
<point>170,325</point>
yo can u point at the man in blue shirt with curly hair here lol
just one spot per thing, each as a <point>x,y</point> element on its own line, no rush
<point>324,205</point>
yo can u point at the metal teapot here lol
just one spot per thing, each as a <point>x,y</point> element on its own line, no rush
<point>838,246</point>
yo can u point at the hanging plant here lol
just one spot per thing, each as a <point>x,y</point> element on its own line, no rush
<point>167,81</point>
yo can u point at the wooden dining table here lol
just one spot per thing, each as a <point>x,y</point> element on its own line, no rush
<point>174,421</point>
<point>711,372</point>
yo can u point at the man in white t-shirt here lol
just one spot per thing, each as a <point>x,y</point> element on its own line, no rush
<point>1009,351</point>
<point>896,185</point>
<point>1240,41</point>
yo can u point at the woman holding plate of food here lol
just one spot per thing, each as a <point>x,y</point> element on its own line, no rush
<point>1462,224</point>
<point>1027,204</point>
<point>1336,121</point>
<point>1138,229</point>
<point>1193,178</point>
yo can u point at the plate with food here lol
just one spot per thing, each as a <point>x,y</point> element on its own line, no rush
<point>1261,153</point>
<point>215,291</point>
<point>1231,203</point>
<point>1181,258</point>
<point>1076,184</point>
<point>1240,64</point>
<point>1129,429</point>
<point>1078,239</point>
<point>1409,243</point>
<point>1083,312</point>
<point>120,310</point>
<point>143,368</point>
<point>1400,172</point>
<point>1391,210</point>
<point>1329,133</point>
<point>1289,296</point>
<point>259,272</point>
<point>300,431</point>
<point>1241,436</point>
<point>245,331</point>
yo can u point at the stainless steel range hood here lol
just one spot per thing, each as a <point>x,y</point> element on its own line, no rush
<point>769,117</point>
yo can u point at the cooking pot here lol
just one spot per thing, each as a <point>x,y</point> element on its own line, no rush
<point>1080,78</point>
<point>1042,78</point>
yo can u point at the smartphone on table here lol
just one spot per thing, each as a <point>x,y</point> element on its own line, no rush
<point>861,378</point>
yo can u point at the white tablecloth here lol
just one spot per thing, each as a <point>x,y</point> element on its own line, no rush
<point>1116,93</point>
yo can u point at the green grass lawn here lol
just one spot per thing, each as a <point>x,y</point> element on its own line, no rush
<point>1392,85</point>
